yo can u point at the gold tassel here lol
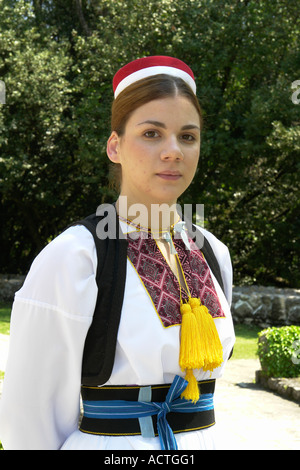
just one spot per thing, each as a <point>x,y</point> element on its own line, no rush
<point>200,345</point>
<point>211,347</point>
<point>192,390</point>
<point>189,357</point>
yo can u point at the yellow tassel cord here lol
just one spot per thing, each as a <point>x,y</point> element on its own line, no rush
<point>190,356</point>
<point>211,347</point>
<point>200,345</point>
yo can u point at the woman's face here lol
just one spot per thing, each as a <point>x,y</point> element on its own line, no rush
<point>158,152</point>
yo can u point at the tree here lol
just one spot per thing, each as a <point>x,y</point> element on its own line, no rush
<point>57,60</point>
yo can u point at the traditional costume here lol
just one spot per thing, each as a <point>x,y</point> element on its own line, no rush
<point>174,337</point>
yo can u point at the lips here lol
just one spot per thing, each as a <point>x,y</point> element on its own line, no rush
<point>169,175</point>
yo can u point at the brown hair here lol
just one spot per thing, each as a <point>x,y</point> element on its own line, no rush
<point>138,94</point>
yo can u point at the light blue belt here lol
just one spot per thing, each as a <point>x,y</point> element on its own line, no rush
<point>116,409</point>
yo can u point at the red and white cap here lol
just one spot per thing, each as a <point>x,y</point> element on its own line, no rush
<point>149,66</point>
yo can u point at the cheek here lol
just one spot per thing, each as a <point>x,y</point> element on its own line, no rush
<point>136,156</point>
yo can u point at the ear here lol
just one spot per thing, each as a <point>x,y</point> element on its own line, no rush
<point>113,147</point>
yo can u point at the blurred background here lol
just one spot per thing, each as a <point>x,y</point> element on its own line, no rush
<point>57,60</point>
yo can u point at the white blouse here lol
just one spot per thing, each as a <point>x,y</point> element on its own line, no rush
<point>51,315</point>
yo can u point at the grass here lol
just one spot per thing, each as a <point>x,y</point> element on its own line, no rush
<point>5,310</point>
<point>246,342</point>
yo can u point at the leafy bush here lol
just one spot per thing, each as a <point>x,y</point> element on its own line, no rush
<point>276,351</point>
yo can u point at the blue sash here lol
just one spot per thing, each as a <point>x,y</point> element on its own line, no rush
<point>123,409</point>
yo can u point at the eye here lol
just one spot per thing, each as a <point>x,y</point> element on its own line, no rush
<point>188,137</point>
<point>151,134</point>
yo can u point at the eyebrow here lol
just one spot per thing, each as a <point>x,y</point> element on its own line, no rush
<point>162,125</point>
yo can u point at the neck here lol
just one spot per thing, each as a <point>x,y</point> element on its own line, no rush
<point>155,217</point>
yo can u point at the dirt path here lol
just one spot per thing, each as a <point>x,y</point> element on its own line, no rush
<point>251,418</point>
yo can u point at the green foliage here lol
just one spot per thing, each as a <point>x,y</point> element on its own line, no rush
<point>57,60</point>
<point>276,349</point>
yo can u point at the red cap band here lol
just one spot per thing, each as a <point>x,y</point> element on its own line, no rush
<point>149,66</point>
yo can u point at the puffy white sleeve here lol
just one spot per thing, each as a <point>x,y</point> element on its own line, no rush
<point>51,315</point>
<point>223,257</point>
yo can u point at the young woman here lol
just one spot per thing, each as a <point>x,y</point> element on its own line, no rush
<point>175,332</point>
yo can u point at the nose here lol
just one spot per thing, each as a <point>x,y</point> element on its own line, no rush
<point>171,150</point>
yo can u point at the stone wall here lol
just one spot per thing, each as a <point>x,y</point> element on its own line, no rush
<point>266,306</point>
<point>257,305</point>
<point>9,284</point>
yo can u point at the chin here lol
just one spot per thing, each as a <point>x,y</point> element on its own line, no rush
<point>165,196</point>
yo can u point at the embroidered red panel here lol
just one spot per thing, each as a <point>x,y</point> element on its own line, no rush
<point>162,284</point>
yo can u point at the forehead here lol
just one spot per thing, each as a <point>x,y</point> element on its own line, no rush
<point>176,110</point>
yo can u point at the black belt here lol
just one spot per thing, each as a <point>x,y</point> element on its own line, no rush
<point>179,422</point>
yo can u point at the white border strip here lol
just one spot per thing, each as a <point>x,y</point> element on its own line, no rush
<point>149,71</point>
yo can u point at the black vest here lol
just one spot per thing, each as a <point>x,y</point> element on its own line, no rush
<point>100,343</point>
